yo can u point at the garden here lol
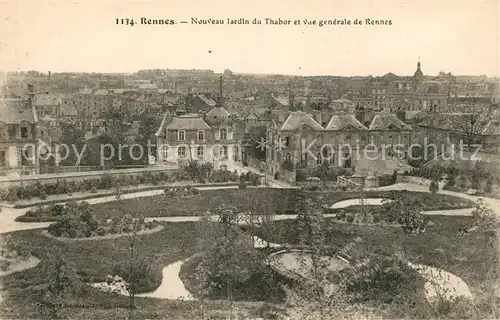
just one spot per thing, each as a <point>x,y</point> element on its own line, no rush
<point>225,265</point>
<point>480,176</point>
<point>192,172</point>
<point>269,200</point>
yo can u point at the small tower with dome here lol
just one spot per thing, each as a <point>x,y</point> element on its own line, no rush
<point>418,76</point>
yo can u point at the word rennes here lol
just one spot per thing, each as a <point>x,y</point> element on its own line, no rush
<point>288,22</point>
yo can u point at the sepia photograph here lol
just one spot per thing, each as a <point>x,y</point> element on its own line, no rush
<point>249,160</point>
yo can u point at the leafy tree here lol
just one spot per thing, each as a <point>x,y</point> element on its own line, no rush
<point>406,212</point>
<point>61,283</point>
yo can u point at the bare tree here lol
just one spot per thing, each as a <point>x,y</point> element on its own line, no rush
<point>469,124</point>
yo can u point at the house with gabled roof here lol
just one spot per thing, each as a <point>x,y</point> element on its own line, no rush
<point>210,137</point>
<point>21,136</point>
<point>300,141</point>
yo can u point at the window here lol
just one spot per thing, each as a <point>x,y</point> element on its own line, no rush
<point>223,134</point>
<point>236,153</point>
<point>24,132</point>
<point>181,135</point>
<point>347,161</point>
<point>288,157</point>
<point>201,135</point>
<point>181,152</point>
<point>348,139</point>
<point>12,130</point>
<point>223,152</point>
<point>318,158</point>
<point>2,158</point>
<point>287,141</point>
<point>390,140</point>
<point>200,153</point>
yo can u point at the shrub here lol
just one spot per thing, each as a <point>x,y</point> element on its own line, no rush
<point>350,217</point>
<point>139,274</point>
<point>386,180</point>
<point>43,195</point>
<point>385,279</point>
<point>433,187</point>
<point>93,190</point>
<point>488,188</point>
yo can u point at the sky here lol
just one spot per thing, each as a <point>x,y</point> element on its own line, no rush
<point>461,37</point>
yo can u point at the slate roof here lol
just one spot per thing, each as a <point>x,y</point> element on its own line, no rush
<point>298,119</point>
<point>206,100</point>
<point>341,121</point>
<point>14,111</point>
<point>383,121</point>
<point>282,100</point>
<point>218,115</point>
<point>188,122</point>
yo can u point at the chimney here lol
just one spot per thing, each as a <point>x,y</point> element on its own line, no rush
<point>318,117</point>
<point>360,115</point>
<point>31,95</point>
<point>220,90</point>
<point>401,114</point>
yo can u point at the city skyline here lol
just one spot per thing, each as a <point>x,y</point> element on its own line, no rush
<point>456,37</point>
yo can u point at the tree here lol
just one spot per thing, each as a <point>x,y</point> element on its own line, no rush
<point>61,283</point>
<point>470,124</point>
<point>407,212</point>
<point>228,257</point>
<point>255,142</point>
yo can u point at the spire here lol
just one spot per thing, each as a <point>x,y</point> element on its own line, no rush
<point>418,64</point>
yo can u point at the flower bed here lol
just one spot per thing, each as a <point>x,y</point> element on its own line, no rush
<point>181,192</point>
<point>148,230</point>
<point>79,221</point>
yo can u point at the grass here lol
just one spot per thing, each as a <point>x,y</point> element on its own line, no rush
<point>93,260</point>
<point>472,257</point>
<point>280,201</point>
<point>264,284</point>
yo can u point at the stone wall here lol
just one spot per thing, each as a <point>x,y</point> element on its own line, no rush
<point>77,176</point>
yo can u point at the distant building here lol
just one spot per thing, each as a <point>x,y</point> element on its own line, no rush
<point>205,138</point>
<point>21,135</point>
<point>301,142</point>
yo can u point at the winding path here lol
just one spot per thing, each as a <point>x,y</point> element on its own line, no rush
<point>172,286</point>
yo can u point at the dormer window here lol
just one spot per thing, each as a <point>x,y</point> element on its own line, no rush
<point>223,134</point>
<point>201,135</point>
<point>181,135</point>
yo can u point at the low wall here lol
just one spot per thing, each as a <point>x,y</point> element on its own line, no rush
<point>421,181</point>
<point>77,176</point>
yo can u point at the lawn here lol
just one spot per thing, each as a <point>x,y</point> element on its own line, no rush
<point>280,201</point>
<point>95,259</point>
<point>472,257</point>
